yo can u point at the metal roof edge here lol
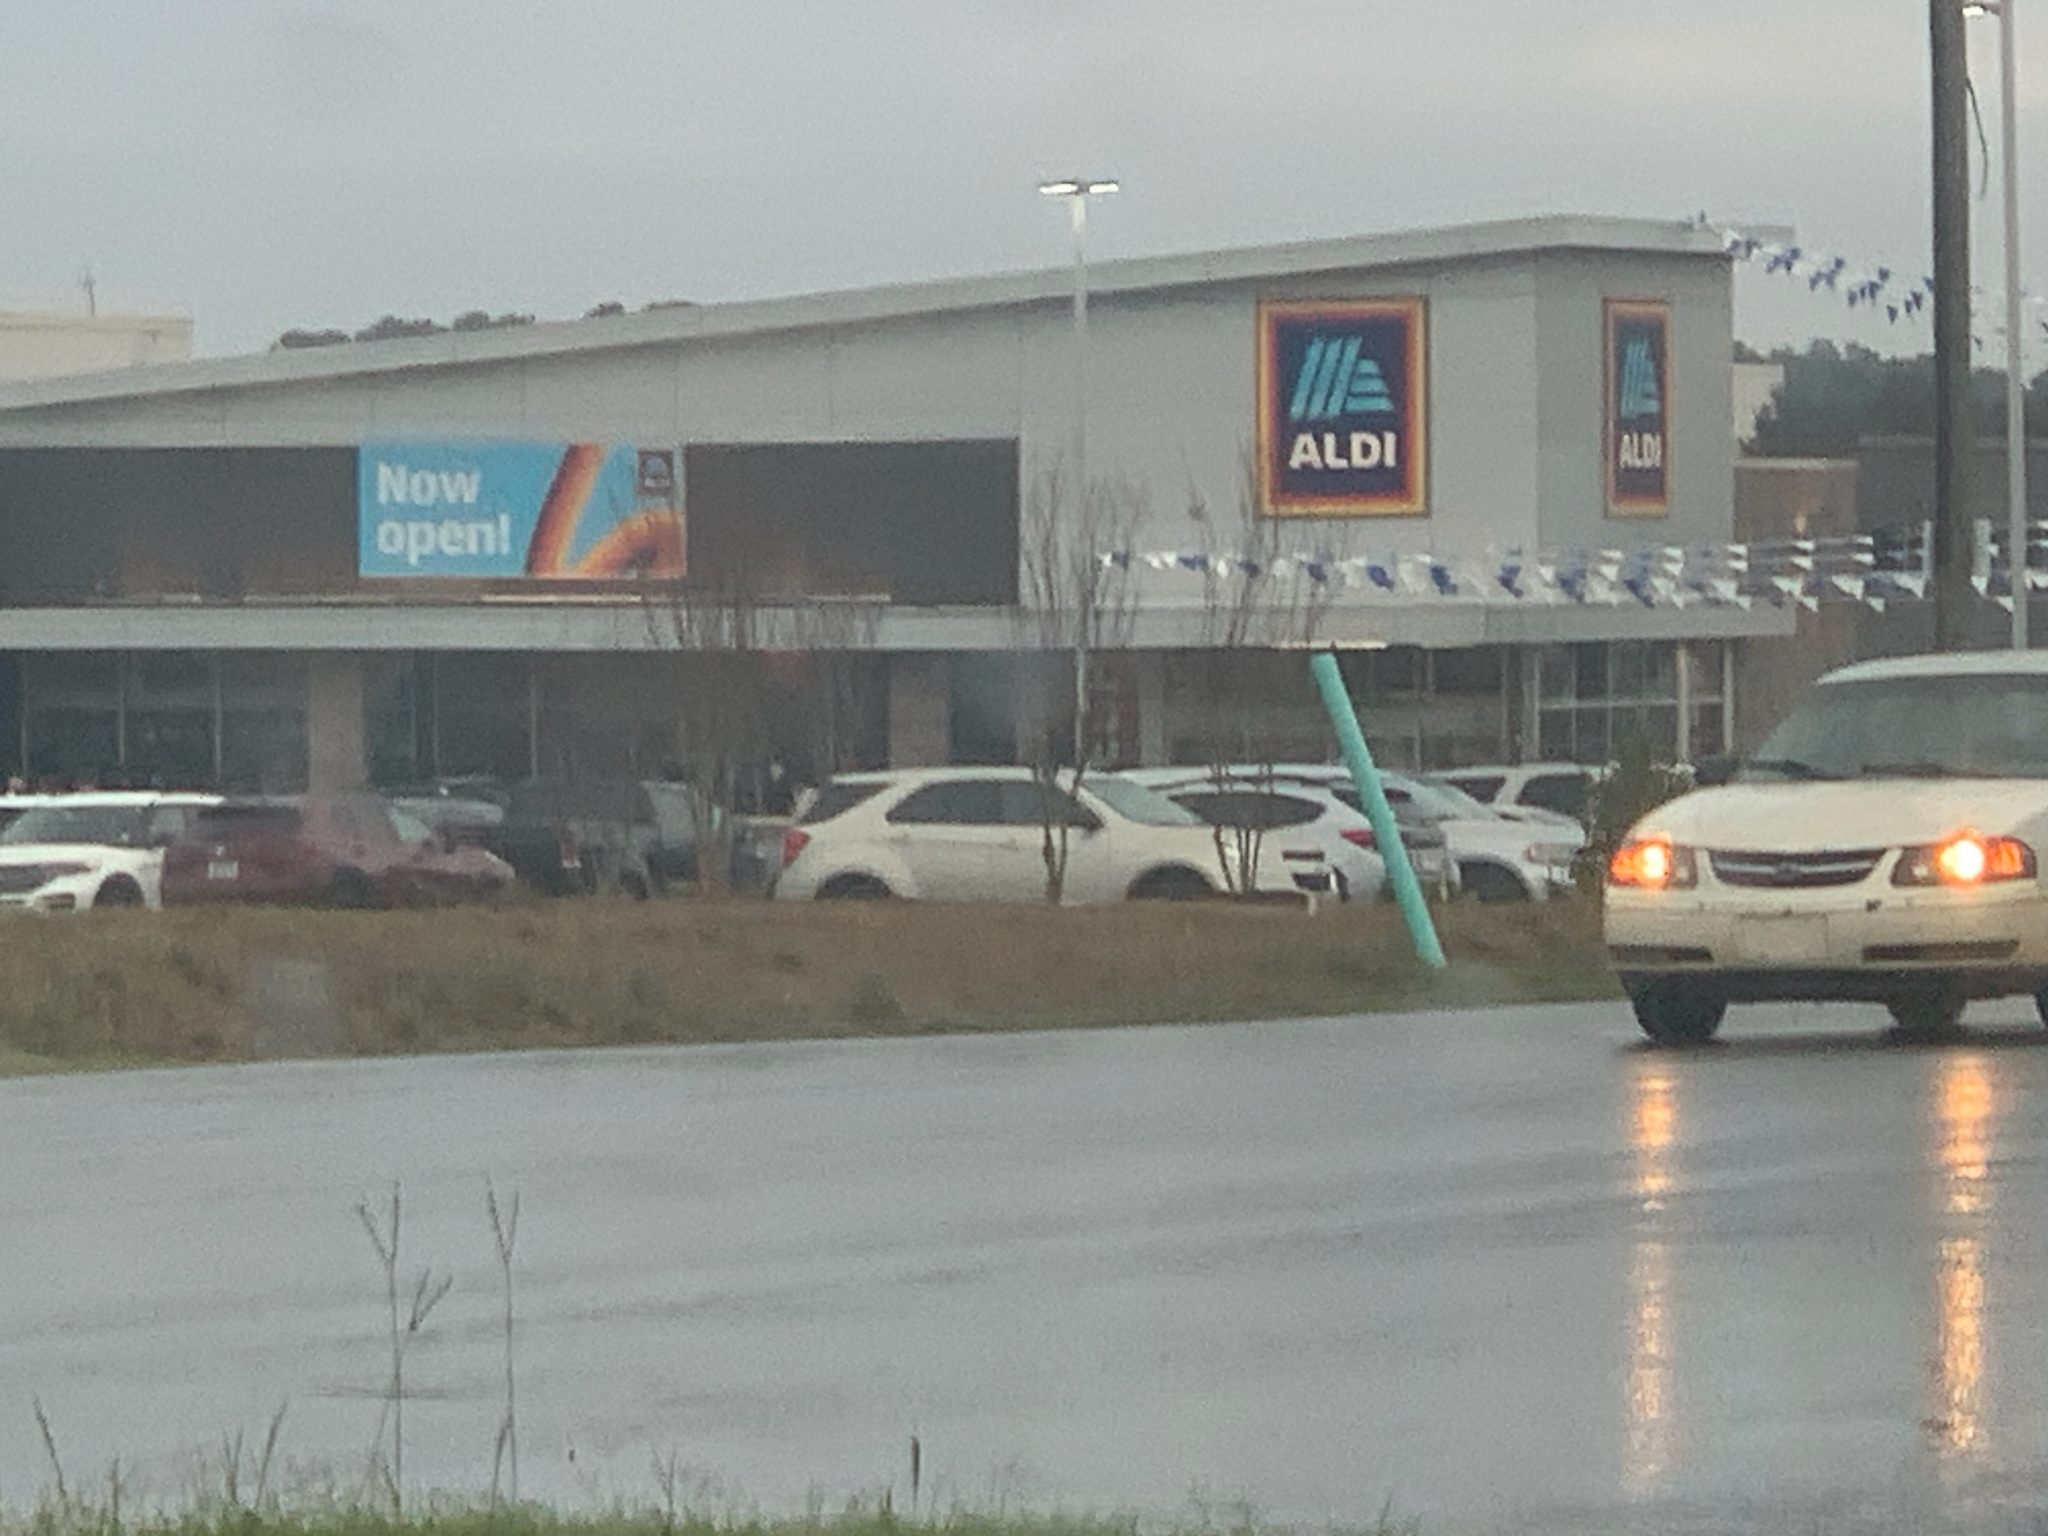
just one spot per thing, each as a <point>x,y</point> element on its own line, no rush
<point>740,318</point>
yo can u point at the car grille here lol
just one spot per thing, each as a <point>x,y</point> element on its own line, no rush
<point>1793,871</point>
<point>15,879</point>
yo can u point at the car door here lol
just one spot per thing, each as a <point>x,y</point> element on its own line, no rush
<point>952,837</point>
<point>372,846</point>
<point>1093,869</point>
<point>428,871</point>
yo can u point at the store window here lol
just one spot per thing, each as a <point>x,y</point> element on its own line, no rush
<point>483,708</point>
<point>262,722</point>
<point>169,707</point>
<point>1597,698</point>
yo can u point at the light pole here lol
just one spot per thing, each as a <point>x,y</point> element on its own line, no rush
<point>2015,377</point>
<point>1076,191</point>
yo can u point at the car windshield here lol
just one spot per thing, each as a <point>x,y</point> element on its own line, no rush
<point>1451,802</point>
<point>1441,803</point>
<point>1134,802</point>
<point>1911,727</point>
<point>113,826</point>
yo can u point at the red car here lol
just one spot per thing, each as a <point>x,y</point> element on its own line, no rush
<point>340,850</point>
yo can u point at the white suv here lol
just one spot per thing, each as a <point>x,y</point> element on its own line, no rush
<point>1300,832</point>
<point>64,853</point>
<point>1883,844</point>
<point>977,834</point>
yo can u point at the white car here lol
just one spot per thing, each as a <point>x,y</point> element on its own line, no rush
<point>1541,792</point>
<point>99,848</point>
<point>1883,844</point>
<point>1301,832</point>
<point>1493,857</point>
<point>977,834</point>
<point>1499,857</point>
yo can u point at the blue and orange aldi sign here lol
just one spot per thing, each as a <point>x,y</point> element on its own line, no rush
<point>1638,407</point>
<point>1343,408</point>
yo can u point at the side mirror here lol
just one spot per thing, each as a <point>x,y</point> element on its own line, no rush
<point>1711,772</point>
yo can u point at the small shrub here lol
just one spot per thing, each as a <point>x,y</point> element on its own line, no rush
<point>1636,786</point>
<point>873,1003</point>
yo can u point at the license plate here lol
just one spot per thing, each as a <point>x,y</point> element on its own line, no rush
<point>223,869</point>
<point>1791,940</point>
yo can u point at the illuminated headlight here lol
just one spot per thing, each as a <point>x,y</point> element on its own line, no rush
<point>1965,859</point>
<point>1653,864</point>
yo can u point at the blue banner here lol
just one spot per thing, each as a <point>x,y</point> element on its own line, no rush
<point>1638,407</point>
<point>510,511</point>
<point>1343,408</point>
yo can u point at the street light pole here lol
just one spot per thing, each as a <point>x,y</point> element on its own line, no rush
<point>2015,358</point>
<point>1077,190</point>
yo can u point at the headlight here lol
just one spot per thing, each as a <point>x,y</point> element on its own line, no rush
<point>1550,853</point>
<point>64,871</point>
<point>1653,864</point>
<point>1965,859</point>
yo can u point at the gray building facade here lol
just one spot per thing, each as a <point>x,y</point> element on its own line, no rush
<point>185,588</point>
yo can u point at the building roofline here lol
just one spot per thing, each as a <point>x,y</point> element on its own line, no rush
<point>691,322</point>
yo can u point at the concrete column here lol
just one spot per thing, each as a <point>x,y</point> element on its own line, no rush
<point>1148,671</point>
<point>337,757</point>
<point>1728,695</point>
<point>1681,667</point>
<point>1531,663</point>
<point>920,711</point>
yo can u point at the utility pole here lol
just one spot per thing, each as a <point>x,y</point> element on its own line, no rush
<point>2015,352</point>
<point>1954,597</point>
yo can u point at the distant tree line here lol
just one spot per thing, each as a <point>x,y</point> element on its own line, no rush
<point>1834,396</point>
<point>395,327</point>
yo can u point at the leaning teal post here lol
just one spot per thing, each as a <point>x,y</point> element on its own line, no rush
<point>1385,830</point>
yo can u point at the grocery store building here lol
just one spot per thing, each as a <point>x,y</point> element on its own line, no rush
<point>493,552</point>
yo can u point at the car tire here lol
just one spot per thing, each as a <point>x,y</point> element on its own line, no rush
<point>854,888</point>
<point>1932,1014</point>
<point>118,892</point>
<point>1172,884</point>
<point>1676,1012</point>
<point>1492,882</point>
<point>350,890</point>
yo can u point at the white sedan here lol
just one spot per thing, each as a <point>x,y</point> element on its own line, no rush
<point>66,853</point>
<point>1883,844</point>
<point>977,834</point>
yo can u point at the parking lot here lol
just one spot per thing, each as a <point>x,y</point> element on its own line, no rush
<point>1505,1269</point>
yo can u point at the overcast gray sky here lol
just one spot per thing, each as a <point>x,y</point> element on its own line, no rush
<point>267,163</point>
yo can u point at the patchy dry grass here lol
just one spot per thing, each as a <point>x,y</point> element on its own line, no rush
<point>124,987</point>
<point>868,1518</point>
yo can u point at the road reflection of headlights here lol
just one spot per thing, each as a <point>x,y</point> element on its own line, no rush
<point>1964,1105</point>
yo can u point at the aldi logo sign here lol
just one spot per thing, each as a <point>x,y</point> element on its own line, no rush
<point>1343,395</point>
<point>1638,407</point>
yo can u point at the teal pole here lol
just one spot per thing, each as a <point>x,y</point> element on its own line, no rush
<point>1373,796</point>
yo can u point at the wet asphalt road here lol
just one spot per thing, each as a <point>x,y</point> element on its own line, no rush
<point>1507,1270</point>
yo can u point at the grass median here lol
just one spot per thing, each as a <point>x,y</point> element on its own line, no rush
<point>131,988</point>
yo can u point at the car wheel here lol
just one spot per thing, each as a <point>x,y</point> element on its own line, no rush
<point>118,892</point>
<point>1171,885</point>
<point>350,888</point>
<point>1932,1014</point>
<point>854,888</point>
<point>1676,1012</point>
<point>1492,882</point>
